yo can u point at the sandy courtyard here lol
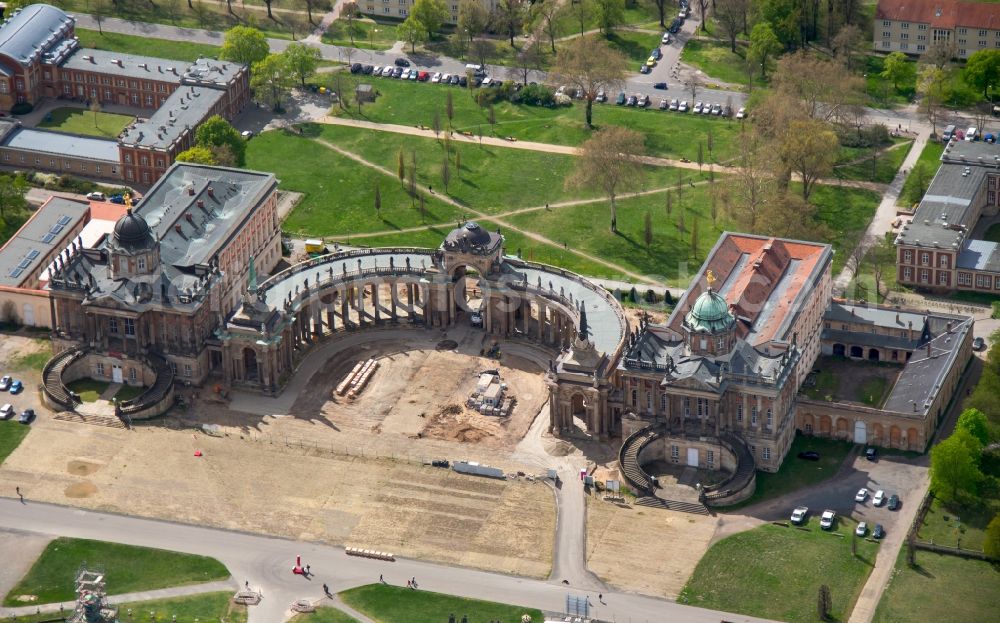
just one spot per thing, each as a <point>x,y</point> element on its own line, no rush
<point>646,550</point>
<point>409,509</point>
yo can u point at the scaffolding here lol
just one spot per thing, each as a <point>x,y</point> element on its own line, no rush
<point>91,598</point>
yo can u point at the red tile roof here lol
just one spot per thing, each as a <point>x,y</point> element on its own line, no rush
<point>944,14</point>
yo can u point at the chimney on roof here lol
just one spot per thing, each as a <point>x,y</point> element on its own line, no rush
<point>189,218</point>
<point>211,192</point>
<point>201,204</point>
<point>909,330</point>
<point>949,326</point>
<point>897,317</point>
<point>159,68</point>
<point>928,349</point>
<point>191,190</point>
<point>178,229</point>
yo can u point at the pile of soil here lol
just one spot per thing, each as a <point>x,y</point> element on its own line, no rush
<point>454,422</point>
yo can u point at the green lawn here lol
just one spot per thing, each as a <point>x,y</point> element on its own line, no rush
<point>717,62</point>
<point>796,473</point>
<point>826,384</point>
<point>872,391</point>
<point>846,213</point>
<point>668,135</point>
<point>128,392</point>
<point>368,33</point>
<point>83,121</point>
<point>146,46</point>
<point>11,434</point>
<point>993,232</point>
<point>775,572</point>
<point>128,569</point>
<point>33,361</point>
<point>395,604</point>
<point>954,525</point>
<point>919,178</point>
<point>857,163</point>
<point>636,46</point>
<point>324,615</point>
<point>192,609</point>
<point>88,389</point>
<point>943,589</point>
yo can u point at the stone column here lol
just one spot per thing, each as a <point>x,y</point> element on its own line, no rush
<point>361,304</point>
<point>345,310</point>
<point>393,300</point>
<point>375,303</point>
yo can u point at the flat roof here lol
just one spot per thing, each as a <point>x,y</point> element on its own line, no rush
<point>31,31</point>
<point>979,255</point>
<point>45,231</point>
<point>181,112</point>
<point>922,376</point>
<point>208,71</point>
<point>60,144</point>
<point>875,316</point>
<point>126,65</point>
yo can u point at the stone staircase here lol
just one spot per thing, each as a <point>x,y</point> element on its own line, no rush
<point>746,470</point>
<point>651,501</point>
<point>157,392</point>
<point>52,383</point>
<point>628,459</point>
<point>89,418</point>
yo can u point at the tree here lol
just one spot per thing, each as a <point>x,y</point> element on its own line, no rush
<point>310,5</point>
<point>412,32</point>
<point>763,44</point>
<point>608,161</point>
<point>302,60</point>
<point>939,53</point>
<point>98,10</point>
<point>400,166</point>
<point>245,44</point>
<point>729,14</point>
<point>701,155</point>
<point>216,132</point>
<point>661,11</point>
<point>449,107</point>
<point>669,202</point>
<point>13,189</point>
<point>752,187</point>
<point>882,257</point>
<point>198,154</point>
<point>647,229</point>
<point>974,422</point>
<point>446,172</point>
<point>508,15</point>
<point>547,13</point>
<point>95,107</point>
<point>896,68</point>
<point>473,18</point>
<point>819,88</point>
<point>702,14</point>
<point>933,88</point>
<point>491,116</point>
<point>378,201</point>
<point>847,44</point>
<point>436,123</point>
<point>609,13</point>
<point>824,603</point>
<point>982,70</point>
<point>581,10</point>
<point>527,60</point>
<point>482,50</point>
<point>430,14</point>
<point>350,12</point>
<point>693,83</point>
<point>272,80</point>
<point>809,148</point>
<point>991,542</point>
<point>590,65</point>
<point>954,473</point>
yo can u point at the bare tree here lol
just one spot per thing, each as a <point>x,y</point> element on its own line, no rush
<point>693,85</point>
<point>581,10</point>
<point>508,17</point>
<point>527,60</point>
<point>847,44</point>
<point>349,12</point>
<point>609,160</point>
<point>729,14</point>
<point>939,53</point>
<point>548,12</point>
<point>590,65</point>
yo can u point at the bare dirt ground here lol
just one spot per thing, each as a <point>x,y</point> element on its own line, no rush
<point>645,550</point>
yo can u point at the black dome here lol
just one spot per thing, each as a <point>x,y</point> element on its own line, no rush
<point>471,233</point>
<point>132,232</point>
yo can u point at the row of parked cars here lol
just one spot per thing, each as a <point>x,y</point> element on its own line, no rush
<point>14,387</point>
<point>678,105</point>
<point>401,70</point>
<point>829,518</point>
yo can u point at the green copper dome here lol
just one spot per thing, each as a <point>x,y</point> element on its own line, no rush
<point>709,314</point>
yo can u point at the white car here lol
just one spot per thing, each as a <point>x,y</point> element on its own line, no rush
<point>716,109</point>
<point>665,39</point>
<point>601,96</point>
<point>862,529</point>
<point>6,412</point>
<point>706,109</point>
<point>5,383</point>
<point>437,77</point>
<point>445,78</point>
<point>476,319</point>
<point>799,514</point>
<point>861,495</point>
<point>879,498</point>
<point>675,104</point>
<point>377,71</point>
<point>741,113</point>
<point>95,196</point>
<point>826,519</point>
<point>697,108</point>
<point>561,90</point>
<point>683,106</point>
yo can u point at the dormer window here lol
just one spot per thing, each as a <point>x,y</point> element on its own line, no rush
<point>141,264</point>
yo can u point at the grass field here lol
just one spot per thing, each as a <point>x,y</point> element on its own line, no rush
<point>324,615</point>
<point>776,572</point>
<point>83,121</point>
<point>33,361</point>
<point>943,589</point>
<point>636,46</point>
<point>993,233</point>
<point>957,525</point>
<point>12,433</point>
<point>88,389</point>
<point>796,473</point>
<point>146,46</point>
<point>194,609</point>
<point>128,392</point>
<point>394,604</point>
<point>368,33</point>
<point>919,178</point>
<point>128,569</point>
<point>717,62</point>
<point>857,163</point>
<point>668,135</point>
<point>846,213</point>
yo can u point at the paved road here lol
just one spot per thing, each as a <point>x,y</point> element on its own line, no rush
<point>266,562</point>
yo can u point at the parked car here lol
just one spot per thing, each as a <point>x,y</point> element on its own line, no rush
<point>620,100</point>
<point>436,77</point>
<point>862,529</point>
<point>6,412</point>
<point>878,532</point>
<point>397,73</point>
<point>423,76</point>
<point>367,70</point>
<point>799,515</point>
<point>643,101</point>
<point>871,454</point>
<point>674,104</point>
<point>665,39</point>
<point>5,383</point>
<point>675,26</point>
<point>16,387</point>
<point>683,106</point>
<point>893,502</point>
<point>414,74</point>
<point>861,495</point>
<point>660,85</point>
<point>697,108</point>
<point>809,455</point>
<point>656,53</point>
<point>601,96</point>
<point>632,100</point>
<point>402,62</point>
<point>706,109</point>
<point>356,68</point>
<point>826,519</point>
<point>978,344</point>
<point>26,416</point>
<point>651,61</point>
<point>476,319</point>
<point>879,498</point>
<point>664,104</point>
<point>717,109</point>
<point>644,69</point>
<point>95,196</point>
<point>463,81</point>
<point>741,113</point>
<point>445,78</point>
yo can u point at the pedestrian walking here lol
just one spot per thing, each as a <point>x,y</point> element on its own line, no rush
<point>381,581</point>
<point>326,589</point>
<point>247,584</point>
<point>600,597</point>
<point>308,572</point>
<point>408,584</point>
